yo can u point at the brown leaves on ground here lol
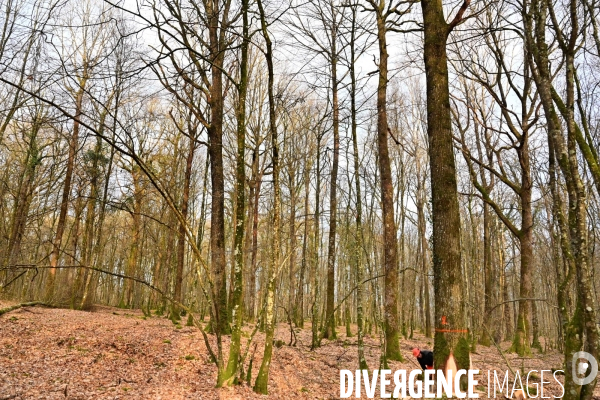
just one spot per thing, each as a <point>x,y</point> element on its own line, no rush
<point>112,353</point>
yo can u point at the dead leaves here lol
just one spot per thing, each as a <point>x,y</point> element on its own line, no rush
<point>110,353</point>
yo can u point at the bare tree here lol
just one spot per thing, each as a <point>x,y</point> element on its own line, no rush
<point>450,334</point>
<point>386,17</point>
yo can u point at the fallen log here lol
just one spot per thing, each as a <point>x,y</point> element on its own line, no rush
<point>29,304</point>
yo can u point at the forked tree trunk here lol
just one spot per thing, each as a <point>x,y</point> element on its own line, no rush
<point>563,156</point>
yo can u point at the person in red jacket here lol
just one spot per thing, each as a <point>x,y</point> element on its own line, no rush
<point>424,357</point>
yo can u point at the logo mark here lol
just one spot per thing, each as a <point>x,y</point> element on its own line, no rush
<point>579,368</point>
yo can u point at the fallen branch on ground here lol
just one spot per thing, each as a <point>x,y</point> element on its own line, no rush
<point>29,304</point>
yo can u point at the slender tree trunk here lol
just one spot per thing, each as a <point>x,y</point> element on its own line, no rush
<point>262,380</point>
<point>254,261</point>
<point>316,247</point>
<point>390,256</point>
<point>64,203</point>
<point>133,259</point>
<point>488,301</point>
<point>91,279</point>
<point>424,261</point>
<point>401,298</point>
<point>181,239</point>
<point>358,246</point>
<point>240,225</point>
<point>90,221</point>
<point>292,254</point>
<point>506,315</point>
<point>329,329</point>
<point>300,294</point>
<point>535,324</point>
<point>249,292</point>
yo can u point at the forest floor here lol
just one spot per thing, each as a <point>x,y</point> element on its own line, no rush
<point>111,353</point>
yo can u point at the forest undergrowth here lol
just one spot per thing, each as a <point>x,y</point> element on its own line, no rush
<point>113,353</point>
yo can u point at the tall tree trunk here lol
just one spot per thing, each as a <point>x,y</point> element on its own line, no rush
<point>248,244</point>
<point>329,318</point>
<point>423,245</point>
<point>181,239</point>
<point>535,324</point>
<point>583,322</point>
<point>82,290</point>
<point>299,312</point>
<point>90,219</point>
<point>402,320</point>
<point>132,261</point>
<point>421,197</point>
<point>488,301</point>
<point>521,341</point>
<point>94,257</point>
<point>451,335</point>
<point>390,251</point>
<point>215,150</point>
<point>228,376</point>
<point>262,380</point>
<point>489,298</point>
<point>316,247</point>
<point>64,203</point>
<point>506,314</point>
<point>358,245</point>
<point>254,259</point>
<point>292,252</point>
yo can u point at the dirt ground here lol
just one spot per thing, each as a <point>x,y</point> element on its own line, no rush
<point>111,353</point>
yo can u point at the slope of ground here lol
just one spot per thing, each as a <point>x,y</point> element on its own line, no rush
<point>112,353</point>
